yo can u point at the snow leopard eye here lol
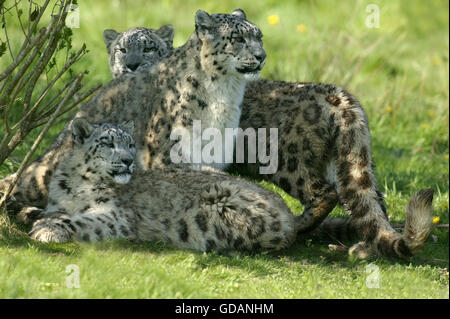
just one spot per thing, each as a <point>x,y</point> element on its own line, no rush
<point>147,50</point>
<point>108,144</point>
<point>239,39</point>
<point>123,50</point>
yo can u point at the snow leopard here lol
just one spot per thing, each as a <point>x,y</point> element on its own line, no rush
<point>94,195</point>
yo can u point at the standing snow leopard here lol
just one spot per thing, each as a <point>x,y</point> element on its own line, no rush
<point>325,159</point>
<point>93,196</point>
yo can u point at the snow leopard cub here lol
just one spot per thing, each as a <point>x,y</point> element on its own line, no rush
<point>94,195</point>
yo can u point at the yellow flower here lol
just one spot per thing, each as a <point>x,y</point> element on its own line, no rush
<point>425,126</point>
<point>446,157</point>
<point>435,60</point>
<point>301,28</point>
<point>273,19</point>
<point>431,114</point>
<point>388,109</point>
<point>436,220</point>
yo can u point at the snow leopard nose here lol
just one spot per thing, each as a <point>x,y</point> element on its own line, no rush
<point>127,161</point>
<point>133,66</point>
<point>260,56</point>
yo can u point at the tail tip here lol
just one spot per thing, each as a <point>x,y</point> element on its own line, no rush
<point>419,219</point>
<point>425,196</point>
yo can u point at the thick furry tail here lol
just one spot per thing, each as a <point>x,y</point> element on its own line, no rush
<point>419,220</point>
<point>419,223</point>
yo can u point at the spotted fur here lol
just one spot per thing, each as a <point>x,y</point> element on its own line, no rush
<point>203,80</point>
<point>137,49</point>
<point>201,210</point>
<point>325,159</point>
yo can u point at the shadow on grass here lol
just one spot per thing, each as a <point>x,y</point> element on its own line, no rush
<point>16,237</point>
<point>302,252</point>
<point>267,263</point>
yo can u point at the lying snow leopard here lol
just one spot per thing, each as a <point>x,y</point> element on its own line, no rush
<point>93,196</point>
<point>202,80</point>
<point>325,158</point>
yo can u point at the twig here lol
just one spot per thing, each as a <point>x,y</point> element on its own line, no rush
<point>44,94</point>
<point>82,97</point>
<point>7,39</point>
<point>440,260</point>
<point>20,21</point>
<point>337,247</point>
<point>437,226</point>
<point>19,75</point>
<point>24,49</point>
<point>37,142</point>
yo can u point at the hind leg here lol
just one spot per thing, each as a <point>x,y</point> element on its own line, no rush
<point>361,199</point>
<point>317,195</point>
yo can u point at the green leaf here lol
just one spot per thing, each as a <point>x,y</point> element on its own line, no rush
<point>2,48</point>
<point>52,63</point>
<point>67,33</point>
<point>34,14</point>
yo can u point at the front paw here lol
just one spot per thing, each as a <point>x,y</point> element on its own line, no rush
<point>49,232</point>
<point>361,250</point>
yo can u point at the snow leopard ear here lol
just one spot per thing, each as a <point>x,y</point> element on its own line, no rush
<point>81,130</point>
<point>203,21</point>
<point>109,36</point>
<point>127,126</point>
<point>166,34</point>
<point>239,13</point>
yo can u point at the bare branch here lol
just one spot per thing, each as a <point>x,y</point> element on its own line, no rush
<point>74,103</point>
<point>63,70</point>
<point>25,49</point>
<point>41,106</point>
<point>37,142</point>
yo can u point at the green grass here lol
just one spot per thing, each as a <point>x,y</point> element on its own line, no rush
<point>400,74</point>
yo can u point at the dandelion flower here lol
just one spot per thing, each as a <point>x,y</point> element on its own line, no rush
<point>425,126</point>
<point>435,60</point>
<point>436,220</point>
<point>388,109</point>
<point>273,19</point>
<point>301,28</point>
<point>446,157</point>
<point>431,114</point>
